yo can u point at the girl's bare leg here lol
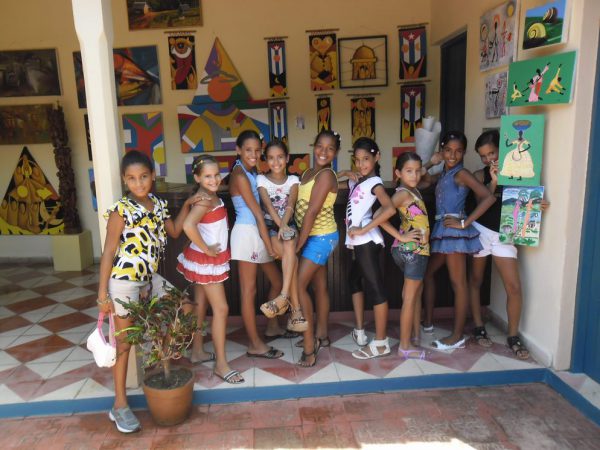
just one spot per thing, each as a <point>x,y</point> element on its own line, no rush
<point>119,370</point>
<point>436,261</point>
<point>457,269</point>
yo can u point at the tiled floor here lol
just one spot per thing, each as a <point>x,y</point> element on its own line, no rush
<point>45,318</point>
<point>510,417</point>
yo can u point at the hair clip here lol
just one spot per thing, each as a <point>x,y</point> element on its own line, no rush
<point>261,136</point>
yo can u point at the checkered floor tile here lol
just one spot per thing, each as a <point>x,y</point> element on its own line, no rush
<point>46,316</point>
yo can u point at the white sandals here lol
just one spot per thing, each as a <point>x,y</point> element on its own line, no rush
<point>372,350</point>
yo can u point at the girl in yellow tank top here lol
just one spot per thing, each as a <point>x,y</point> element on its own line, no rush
<point>318,238</point>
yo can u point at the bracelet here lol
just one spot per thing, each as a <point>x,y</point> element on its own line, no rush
<point>106,301</point>
<point>462,223</point>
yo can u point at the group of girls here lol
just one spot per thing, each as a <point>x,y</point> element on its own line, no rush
<point>280,216</point>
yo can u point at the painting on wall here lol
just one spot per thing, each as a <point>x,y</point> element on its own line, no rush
<point>277,63</point>
<point>521,147</point>
<point>144,15</point>
<point>137,79</point>
<point>495,95</point>
<point>363,61</point>
<point>323,61</point>
<point>397,151</point>
<point>144,132</point>
<point>323,114</point>
<point>412,110</point>
<point>363,117</point>
<point>24,124</point>
<point>546,25</point>
<point>93,188</point>
<point>278,121</point>
<point>221,109</point>
<point>497,35</point>
<point>25,73</point>
<point>521,215</point>
<point>542,81</point>
<point>182,57</point>
<point>298,163</point>
<point>88,136</point>
<point>413,52</point>
<point>30,204</point>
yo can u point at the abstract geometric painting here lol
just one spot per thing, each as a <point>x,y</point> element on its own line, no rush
<point>521,215</point>
<point>26,73</point>
<point>221,109</point>
<point>542,81</point>
<point>278,121</point>
<point>495,95</point>
<point>137,78</point>
<point>182,56</point>
<point>363,117</point>
<point>323,114</point>
<point>497,35</point>
<point>323,61</point>
<point>24,124</point>
<point>412,110</point>
<point>277,62</point>
<point>521,148</point>
<point>144,15</point>
<point>413,52</point>
<point>144,132</point>
<point>30,204</point>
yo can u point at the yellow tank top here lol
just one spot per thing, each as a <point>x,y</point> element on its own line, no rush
<point>325,220</point>
<point>414,217</point>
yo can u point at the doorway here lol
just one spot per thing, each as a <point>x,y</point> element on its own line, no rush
<point>452,83</point>
<point>586,343</point>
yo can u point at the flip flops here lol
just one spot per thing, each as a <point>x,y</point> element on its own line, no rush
<point>211,357</point>
<point>439,345</point>
<point>325,342</point>
<point>287,334</point>
<point>229,377</point>
<point>272,353</point>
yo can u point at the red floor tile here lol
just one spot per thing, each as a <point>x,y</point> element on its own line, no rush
<point>38,348</point>
<point>53,288</point>
<point>30,305</point>
<point>66,322</point>
<point>12,323</point>
<point>83,302</point>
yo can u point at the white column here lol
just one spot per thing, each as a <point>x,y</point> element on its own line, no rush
<point>93,24</point>
<point>94,27</point>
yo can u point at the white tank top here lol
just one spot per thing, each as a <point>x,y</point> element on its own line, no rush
<point>359,213</point>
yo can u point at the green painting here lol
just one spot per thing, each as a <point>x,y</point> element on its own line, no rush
<point>545,25</point>
<point>521,146</point>
<point>521,215</point>
<point>541,81</point>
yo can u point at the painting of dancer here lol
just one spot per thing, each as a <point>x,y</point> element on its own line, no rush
<point>497,33</point>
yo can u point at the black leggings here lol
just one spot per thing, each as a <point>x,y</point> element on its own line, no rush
<point>366,274</point>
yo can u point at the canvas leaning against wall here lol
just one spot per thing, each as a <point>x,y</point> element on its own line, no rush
<point>363,61</point>
<point>24,124</point>
<point>521,215</point>
<point>148,14</point>
<point>521,148</point>
<point>542,81</point>
<point>497,35</point>
<point>25,73</point>
<point>546,25</point>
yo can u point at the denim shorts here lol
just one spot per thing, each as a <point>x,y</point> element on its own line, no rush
<point>318,248</point>
<point>412,264</point>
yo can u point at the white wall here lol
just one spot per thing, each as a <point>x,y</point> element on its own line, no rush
<point>241,26</point>
<point>548,272</point>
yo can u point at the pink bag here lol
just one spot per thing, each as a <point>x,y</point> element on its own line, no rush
<point>105,353</point>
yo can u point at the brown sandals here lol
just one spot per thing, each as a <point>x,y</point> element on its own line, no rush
<point>274,308</point>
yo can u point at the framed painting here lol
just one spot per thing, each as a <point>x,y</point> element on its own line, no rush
<point>363,61</point>
<point>546,25</point>
<point>363,117</point>
<point>521,215</point>
<point>137,78</point>
<point>145,15</point>
<point>495,95</point>
<point>182,58</point>
<point>25,73</point>
<point>144,132</point>
<point>413,52</point>
<point>542,81</point>
<point>521,147</point>
<point>497,35</point>
<point>412,110</point>
<point>24,124</point>
<point>323,58</point>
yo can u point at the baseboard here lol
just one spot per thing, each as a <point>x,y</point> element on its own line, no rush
<point>27,260</point>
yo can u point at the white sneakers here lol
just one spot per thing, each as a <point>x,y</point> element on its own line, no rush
<point>360,337</point>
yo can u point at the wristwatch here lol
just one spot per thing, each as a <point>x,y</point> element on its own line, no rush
<point>462,223</point>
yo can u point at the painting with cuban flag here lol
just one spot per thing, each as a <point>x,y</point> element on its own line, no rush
<point>144,132</point>
<point>413,52</point>
<point>412,110</point>
<point>278,121</point>
<point>277,77</point>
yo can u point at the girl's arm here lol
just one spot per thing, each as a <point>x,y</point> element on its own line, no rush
<point>191,230</point>
<point>399,199</point>
<point>325,183</point>
<point>485,199</point>
<point>114,228</point>
<point>266,203</point>
<point>175,227</point>
<point>289,209</point>
<point>349,175</point>
<point>386,211</point>
<point>242,184</point>
<point>428,179</point>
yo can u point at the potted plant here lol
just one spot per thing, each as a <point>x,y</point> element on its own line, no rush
<point>163,331</point>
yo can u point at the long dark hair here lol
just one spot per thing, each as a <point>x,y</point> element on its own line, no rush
<point>136,157</point>
<point>369,145</point>
<point>488,137</point>
<point>403,159</point>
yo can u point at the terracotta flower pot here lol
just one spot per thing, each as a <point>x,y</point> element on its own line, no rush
<point>170,406</point>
